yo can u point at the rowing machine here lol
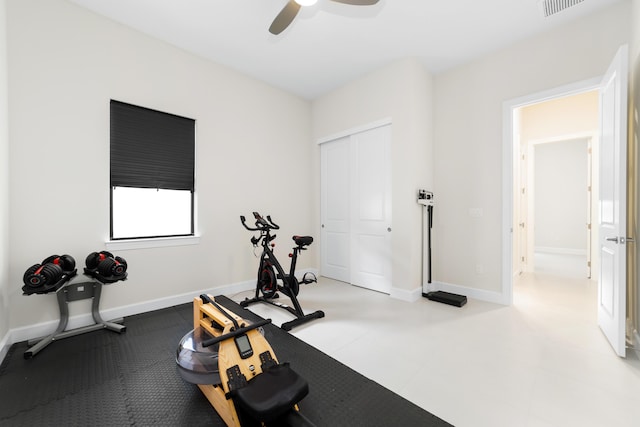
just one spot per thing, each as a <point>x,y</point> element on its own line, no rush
<point>236,369</point>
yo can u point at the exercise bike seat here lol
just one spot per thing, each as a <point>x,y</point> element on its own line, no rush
<point>303,240</point>
<point>271,394</point>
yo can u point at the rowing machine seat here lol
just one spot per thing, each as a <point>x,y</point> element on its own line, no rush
<point>271,394</point>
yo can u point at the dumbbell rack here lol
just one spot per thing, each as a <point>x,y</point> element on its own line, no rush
<point>69,291</point>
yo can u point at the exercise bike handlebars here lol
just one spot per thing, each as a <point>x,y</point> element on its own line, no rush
<point>261,223</point>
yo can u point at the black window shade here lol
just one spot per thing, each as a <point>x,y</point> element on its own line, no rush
<point>151,149</point>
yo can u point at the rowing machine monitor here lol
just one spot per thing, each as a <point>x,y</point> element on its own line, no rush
<point>244,346</point>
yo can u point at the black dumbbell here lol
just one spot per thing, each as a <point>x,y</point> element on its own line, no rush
<point>42,274</point>
<point>66,262</point>
<point>112,267</point>
<point>94,258</point>
<point>106,264</point>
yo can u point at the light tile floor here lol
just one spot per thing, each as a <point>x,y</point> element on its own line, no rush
<point>540,362</point>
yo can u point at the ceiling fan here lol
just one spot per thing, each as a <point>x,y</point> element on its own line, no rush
<point>291,9</point>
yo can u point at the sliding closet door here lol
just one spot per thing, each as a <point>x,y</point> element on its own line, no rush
<point>356,209</point>
<point>334,210</point>
<point>371,209</point>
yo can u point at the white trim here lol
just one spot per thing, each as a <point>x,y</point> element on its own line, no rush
<point>354,130</point>
<point>43,329</point>
<point>561,251</point>
<point>558,92</point>
<point>5,343</point>
<point>565,138</point>
<point>405,295</point>
<point>159,242</point>
<point>507,201</point>
<point>508,108</point>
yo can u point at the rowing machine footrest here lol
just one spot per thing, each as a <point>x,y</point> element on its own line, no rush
<point>271,394</point>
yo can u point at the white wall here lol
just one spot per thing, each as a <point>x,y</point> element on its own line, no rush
<point>561,117</point>
<point>401,91</point>
<point>253,153</point>
<point>468,136</point>
<point>4,185</point>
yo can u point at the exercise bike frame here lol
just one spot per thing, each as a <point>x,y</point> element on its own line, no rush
<point>267,280</point>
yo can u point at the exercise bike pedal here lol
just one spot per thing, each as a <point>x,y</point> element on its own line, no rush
<point>306,280</point>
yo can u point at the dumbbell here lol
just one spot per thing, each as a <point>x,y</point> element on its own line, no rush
<point>66,262</point>
<point>40,275</point>
<point>49,271</point>
<point>106,264</point>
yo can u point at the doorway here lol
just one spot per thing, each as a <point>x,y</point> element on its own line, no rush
<point>612,198</point>
<point>554,186</point>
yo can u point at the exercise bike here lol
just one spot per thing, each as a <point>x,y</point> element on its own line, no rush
<point>270,271</point>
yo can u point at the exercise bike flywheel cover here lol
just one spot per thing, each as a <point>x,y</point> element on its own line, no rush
<point>197,364</point>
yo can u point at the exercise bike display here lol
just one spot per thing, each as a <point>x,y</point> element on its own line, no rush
<point>272,277</point>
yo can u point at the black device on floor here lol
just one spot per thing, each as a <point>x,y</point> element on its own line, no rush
<point>446,298</point>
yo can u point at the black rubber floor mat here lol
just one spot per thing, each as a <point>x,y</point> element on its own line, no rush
<point>107,379</point>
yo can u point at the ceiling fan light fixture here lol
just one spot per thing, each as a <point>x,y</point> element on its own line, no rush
<point>306,2</point>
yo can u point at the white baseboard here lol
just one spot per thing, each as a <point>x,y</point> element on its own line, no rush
<point>5,343</point>
<point>479,294</point>
<point>405,295</point>
<point>45,328</point>
<point>560,251</point>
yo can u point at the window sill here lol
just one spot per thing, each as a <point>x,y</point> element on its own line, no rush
<point>159,242</point>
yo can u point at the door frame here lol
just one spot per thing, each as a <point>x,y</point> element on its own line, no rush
<point>357,129</point>
<point>509,108</point>
<point>589,138</point>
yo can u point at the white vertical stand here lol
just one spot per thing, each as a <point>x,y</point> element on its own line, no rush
<point>425,198</point>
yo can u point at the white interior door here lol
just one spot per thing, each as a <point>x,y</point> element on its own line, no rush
<point>371,209</point>
<point>356,209</point>
<point>612,202</point>
<point>334,210</point>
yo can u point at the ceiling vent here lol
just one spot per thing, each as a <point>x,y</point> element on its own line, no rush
<point>551,7</point>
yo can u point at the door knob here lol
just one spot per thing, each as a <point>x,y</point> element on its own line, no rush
<point>621,240</point>
<point>389,229</point>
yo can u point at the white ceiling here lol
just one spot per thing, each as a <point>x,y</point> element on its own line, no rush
<point>330,44</point>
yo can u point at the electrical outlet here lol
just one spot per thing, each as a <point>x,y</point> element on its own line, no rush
<point>475,212</point>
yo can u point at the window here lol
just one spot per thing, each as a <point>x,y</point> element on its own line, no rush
<point>152,160</point>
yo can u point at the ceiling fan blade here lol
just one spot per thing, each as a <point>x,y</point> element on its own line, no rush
<point>284,18</point>
<point>358,2</point>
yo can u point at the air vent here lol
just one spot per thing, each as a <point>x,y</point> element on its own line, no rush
<point>551,7</point>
